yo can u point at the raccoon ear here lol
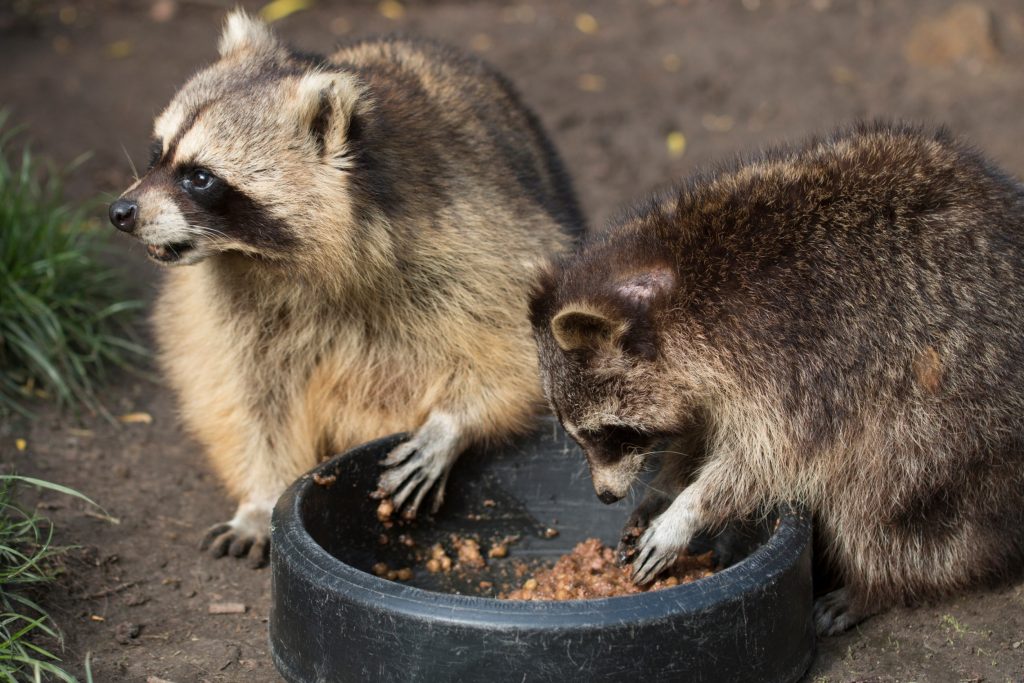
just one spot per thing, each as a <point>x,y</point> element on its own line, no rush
<point>641,289</point>
<point>243,33</point>
<point>578,327</point>
<point>327,103</point>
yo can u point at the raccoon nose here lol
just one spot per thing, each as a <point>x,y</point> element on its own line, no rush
<point>607,497</point>
<point>123,213</point>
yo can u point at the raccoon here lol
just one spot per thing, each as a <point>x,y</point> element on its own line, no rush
<point>353,241</point>
<point>837,324</point>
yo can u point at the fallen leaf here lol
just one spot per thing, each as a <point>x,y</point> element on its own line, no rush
<point>392,9</point>
<point>671,62</point>
<point>120,49</point>
<point>586,23</point>
<point>279,9</point>
<point>676,143</point>
<point>163,10</point>
<point>590,82</point>
<point>20,444</point>
<point>136,418</point>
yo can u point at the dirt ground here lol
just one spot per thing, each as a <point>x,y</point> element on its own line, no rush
<point>616,92</point>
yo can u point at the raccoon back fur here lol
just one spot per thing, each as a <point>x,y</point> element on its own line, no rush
<point>837,324</point>
<point>360,232</point>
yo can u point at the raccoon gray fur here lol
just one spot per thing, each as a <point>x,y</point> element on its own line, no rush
<point>361,232</point>
<point>837,324</point>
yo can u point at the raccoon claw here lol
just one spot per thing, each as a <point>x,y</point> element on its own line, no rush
<point>650,562</point>
<point>413,473</point>
<point>637,523</point>
<point>659,546</point>
<point>247,535</point>
<point>833,613</point>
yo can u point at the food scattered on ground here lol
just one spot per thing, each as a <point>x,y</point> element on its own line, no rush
<point>489,503</point>
<point>590,571</point>
<point>498,551</point>
<point>226,608</point>
<point>550,532</point>
<point>324,480</point>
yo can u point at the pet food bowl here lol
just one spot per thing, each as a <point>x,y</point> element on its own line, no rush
<point>332,619</point>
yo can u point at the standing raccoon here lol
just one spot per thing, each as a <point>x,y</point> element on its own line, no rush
<point>838,325</point>
<point>361,233</point>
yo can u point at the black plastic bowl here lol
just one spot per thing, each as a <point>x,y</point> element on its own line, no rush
<point>333,620</point>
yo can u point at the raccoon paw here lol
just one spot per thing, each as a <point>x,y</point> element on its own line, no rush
<point>650,507</point>
<point>834,613</point>
<point>420,465</point>
<point>246,535</point>
<point>669,533</point>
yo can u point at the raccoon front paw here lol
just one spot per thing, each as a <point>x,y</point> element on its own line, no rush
<point>246,535</point>
<point>420,465</point>
<point>640,519</point>
<point>834,613</point>
<point>668,534</point>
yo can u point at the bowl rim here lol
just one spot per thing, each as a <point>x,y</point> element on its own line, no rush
<point>292,544</point>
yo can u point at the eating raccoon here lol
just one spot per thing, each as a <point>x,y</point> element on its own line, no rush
<point>836,324</point>
<point>353,239</point>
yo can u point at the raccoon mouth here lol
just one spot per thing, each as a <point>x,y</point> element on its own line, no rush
<point>169,253</point>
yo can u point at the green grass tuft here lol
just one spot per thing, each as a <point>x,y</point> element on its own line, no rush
<point>26,566</point>
<point>64,319</point>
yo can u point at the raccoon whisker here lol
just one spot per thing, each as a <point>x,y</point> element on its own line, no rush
<point>663,453</point>
<point>650,487</point>
<point>135,171</point>
<point>208,231</point>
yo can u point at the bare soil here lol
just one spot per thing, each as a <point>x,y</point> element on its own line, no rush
<point>615,92</point>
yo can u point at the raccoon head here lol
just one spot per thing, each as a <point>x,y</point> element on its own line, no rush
<point>252,155</point>
<point>599,337</point>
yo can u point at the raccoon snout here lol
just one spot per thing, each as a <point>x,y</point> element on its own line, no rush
<point>607,497</point>
<point>123,213</point>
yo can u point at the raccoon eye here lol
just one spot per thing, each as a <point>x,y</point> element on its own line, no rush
<point>198,179</point>
<point>617,434</point>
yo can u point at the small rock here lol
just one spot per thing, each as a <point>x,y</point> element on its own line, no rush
<point>126,632</point>
<point>226,608</point>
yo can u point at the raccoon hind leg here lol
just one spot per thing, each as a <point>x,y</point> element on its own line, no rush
<point>838,611</point>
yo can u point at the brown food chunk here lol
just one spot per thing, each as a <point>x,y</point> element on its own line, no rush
<point>324,480</point>
<point>468,551</point>
<point>590,571</point>
<point>498,551</point>
<point>385,510</point>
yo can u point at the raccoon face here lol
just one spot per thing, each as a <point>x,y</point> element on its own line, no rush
<point>603,370</point>
<point>247,157</point>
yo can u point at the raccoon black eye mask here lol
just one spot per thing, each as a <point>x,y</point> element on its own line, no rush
<point>836,324</point>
